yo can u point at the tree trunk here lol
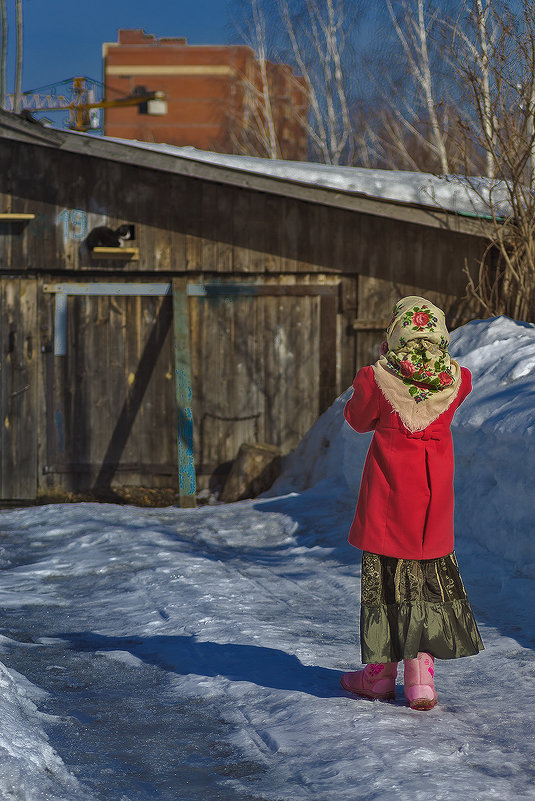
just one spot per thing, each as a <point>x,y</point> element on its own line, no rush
<point>267,107</point>
<point>3,53</point>
<point>426,83</point>
<point>485,86</point>
<point>410,26</point>
<point>17,105</point>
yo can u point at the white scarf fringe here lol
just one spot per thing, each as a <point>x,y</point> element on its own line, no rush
<point>414,416</point>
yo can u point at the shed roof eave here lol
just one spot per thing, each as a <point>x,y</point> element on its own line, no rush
<point>15,128</point>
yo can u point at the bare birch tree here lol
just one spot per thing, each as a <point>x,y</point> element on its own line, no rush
<point>416,115</point>
<point>17,103</point>
<point>254,117</point>
<point>473,37</point>
<point>500,81</point>
<point>265,120</point>
<point>3,53</point>
<point>482,14</point>
<point>318,39</point>
<point>258,118</point>
<point>311,38</point>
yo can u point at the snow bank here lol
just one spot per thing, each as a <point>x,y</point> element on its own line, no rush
<point>493,436</point>
<point>452,193</point>
<point>494,439</point>
<point>30,768</point>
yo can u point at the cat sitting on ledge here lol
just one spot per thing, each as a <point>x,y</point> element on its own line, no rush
<point>104,237</point>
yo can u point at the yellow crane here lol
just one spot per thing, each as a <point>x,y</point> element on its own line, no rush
<point>82,102</point>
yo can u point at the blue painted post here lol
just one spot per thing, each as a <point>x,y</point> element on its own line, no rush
<point>186,461</point>
<point>60,325</point>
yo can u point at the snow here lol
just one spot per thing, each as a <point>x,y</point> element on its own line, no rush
<point>469,196</point>
<point>196,654</point>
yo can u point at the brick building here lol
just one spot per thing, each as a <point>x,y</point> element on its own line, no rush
<point>214,96</point>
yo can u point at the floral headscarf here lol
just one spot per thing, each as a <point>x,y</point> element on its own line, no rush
<point>417,352</point>
<point>416,373</point>
<point>416,318</point>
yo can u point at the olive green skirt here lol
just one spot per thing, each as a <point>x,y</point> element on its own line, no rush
<point>410,605</point>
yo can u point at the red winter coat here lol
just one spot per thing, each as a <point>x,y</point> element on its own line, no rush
<point>405,504</point>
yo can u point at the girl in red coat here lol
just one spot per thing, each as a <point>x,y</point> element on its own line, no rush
<point>414,605</point>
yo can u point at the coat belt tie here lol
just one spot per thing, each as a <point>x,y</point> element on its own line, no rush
<point>425,435</point>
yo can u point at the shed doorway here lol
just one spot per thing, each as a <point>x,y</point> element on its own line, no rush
<point>263,367</point>
<point>110,397</point>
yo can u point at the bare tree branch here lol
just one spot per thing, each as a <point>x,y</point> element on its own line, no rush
<point>411,30</point>
<point>312,38</point>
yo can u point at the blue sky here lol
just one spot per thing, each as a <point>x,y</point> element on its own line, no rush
<point>63,38</point>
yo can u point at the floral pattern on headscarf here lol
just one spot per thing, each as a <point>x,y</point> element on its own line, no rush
<point>417,352</point>
<point>423,366</point>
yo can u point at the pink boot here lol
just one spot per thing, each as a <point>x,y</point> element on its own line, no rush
<point>419,684</point>
<point>375,681</point>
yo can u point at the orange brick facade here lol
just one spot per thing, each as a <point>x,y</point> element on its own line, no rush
<point>213,93</point>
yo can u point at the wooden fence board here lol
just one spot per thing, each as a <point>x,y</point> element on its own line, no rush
<point>156,420</point>
<point>224,231</point>
<point>209,218</point>
<point>242,232</point>
<point>191,224</point>
<point>119,319</point>
<point>19,370</point>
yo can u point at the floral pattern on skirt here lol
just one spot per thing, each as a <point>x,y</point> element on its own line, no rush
<point>410,605</point>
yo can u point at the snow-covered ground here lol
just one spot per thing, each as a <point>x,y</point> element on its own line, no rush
<point>182,655</point>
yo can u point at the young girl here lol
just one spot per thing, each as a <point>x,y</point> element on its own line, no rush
<point>414,605</point>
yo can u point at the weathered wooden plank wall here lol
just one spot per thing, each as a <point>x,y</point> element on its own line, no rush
<point>186,224</point>
<point>110,406</point>
<point>255,363</point>
<point>18,371</point>
<point>263,367</point>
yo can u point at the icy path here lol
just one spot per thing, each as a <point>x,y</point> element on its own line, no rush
<point>188,655</point>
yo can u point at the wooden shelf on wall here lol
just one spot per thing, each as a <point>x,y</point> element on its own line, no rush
<point>128,254</point>
<point>16,217</point>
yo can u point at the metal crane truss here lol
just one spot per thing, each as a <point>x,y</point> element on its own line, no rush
<point>37,102</point>
<point>83,107</point>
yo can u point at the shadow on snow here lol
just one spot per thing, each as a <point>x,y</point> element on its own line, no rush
<point>184,655</point>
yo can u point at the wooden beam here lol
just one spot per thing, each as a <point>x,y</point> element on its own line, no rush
<point>223,289</point>
<point>96,288</point>
<point>15,217</point>
<point>327,366</point>
<point>150,469</point>
<point>185,453</point>
<point>126,288</point>
<point>368,325</point>
<point>128,254</point>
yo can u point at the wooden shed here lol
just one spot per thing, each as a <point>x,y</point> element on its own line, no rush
<point>242,307</point>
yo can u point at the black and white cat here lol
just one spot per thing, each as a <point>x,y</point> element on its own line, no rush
<point>104,237</point>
